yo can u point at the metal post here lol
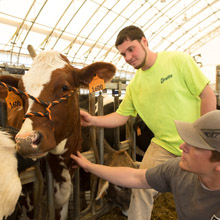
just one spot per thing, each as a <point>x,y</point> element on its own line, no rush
<point>130,135</point>
<point>93,145</point>
<point>117,129</point>
<point>76,197</point>
<point>116,94</point>
<point>50,193</point>
<point>133,140</point>
<point>101,130</point>
<point>3,114</point>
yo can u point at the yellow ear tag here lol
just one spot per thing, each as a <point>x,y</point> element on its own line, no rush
<point>13,100</point>
<point>96,84</point>
<point>138,131</point>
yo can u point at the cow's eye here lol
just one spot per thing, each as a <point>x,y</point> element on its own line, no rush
<point>65,88</point>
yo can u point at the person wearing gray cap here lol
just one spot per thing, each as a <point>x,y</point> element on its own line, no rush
<point>194,179</point>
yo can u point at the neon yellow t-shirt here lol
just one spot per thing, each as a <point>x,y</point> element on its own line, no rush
<point>168,91</point>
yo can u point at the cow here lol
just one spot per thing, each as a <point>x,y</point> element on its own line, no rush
<point>51,126</point>
<point>10,184</point>
<point>13,102</point>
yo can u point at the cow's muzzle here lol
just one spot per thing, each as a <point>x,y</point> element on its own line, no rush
<point>28,144</point>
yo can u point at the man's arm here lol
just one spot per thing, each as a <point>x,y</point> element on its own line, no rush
<point>208,100</point>
<point>107,121</point>
<point>121,176</point>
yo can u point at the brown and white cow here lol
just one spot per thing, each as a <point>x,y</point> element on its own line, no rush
<point>52,121</point>
<point>14,103</point>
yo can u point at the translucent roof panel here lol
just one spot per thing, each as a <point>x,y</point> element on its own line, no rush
<point>85,30</point>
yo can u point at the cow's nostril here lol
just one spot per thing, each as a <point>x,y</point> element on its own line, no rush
<point>37,138</point>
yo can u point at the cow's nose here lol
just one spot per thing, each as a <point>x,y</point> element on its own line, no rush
<point>28,143</point>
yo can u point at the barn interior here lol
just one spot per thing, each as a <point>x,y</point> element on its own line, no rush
<point>85,32</point>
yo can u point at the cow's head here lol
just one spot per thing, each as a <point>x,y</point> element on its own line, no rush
<point>52,117</point>
<point>13,102</point>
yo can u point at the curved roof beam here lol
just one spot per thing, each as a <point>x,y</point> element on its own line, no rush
<point>64,29</point>
<point>94,45</point>
<point>14,38</point>
<point>46,40</point>
<point>193,27</point>
<point>78,35</point>
<point>180,26</point>
<point>30,29</point>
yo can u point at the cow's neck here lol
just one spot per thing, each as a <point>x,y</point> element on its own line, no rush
<point>60,148</point>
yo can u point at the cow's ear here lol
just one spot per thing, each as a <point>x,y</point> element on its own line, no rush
<point>102,187</point>
<point>10,80</point>
<point>3,93</point>
<point>103,70</point>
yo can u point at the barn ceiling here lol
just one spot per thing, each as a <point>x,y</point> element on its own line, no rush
<point>85,30</point>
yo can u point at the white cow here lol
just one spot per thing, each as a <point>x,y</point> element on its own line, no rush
<point>10,184</point>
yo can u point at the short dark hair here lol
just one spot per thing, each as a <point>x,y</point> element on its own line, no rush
<point>215,156</point>
<point>129,33</point>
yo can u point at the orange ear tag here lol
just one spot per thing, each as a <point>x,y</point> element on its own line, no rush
<point>138,131</point>
<point>96,84</point>
<point>13,100</point>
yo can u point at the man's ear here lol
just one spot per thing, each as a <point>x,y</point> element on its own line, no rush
<point>145,42</point>
<point>217,168</point>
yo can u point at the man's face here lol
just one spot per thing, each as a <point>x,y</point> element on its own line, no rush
<point>134,52</point>
<point>195,159</point>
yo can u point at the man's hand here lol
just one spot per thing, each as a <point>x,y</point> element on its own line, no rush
<point>81,161</point>
<point>111,120</point>
<point>86,118</point>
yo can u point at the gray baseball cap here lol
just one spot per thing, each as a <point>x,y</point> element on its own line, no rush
<point>203,133</point>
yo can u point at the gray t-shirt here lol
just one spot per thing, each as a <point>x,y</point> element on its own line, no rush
<point>193,202</point>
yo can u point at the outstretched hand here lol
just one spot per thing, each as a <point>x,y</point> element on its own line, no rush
<point>81,161</point>
<point>86,118</point>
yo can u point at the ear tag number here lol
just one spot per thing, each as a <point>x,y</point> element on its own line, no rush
<point>13,100</point>
<point>96,84</point>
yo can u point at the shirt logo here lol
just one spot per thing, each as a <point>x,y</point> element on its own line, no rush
<point>211,133</point>
<point>215,218</point>
<point>162,80</point>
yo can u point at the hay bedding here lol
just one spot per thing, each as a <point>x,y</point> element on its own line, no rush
<point>164,209</point>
